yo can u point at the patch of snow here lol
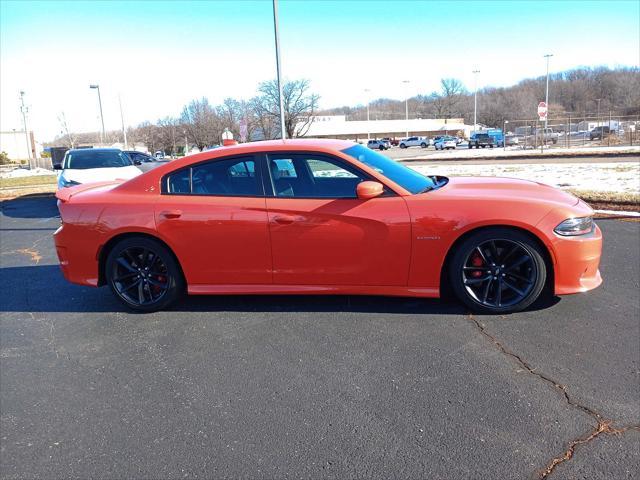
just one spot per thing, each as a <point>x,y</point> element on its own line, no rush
<point>23,172</point>
<point>618,212</point>
<point>621,177</point>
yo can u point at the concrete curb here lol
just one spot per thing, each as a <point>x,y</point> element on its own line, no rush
<point>531,156</point>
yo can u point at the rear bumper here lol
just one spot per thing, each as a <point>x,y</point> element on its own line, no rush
<point>577,263</point>
<point>77,255</point>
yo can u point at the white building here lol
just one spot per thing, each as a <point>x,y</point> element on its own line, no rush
<point>337,126</point>
<point>14,143</point>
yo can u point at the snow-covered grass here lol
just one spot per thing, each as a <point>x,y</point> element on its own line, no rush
<point>23,172</point>
<point>463,153</point>
<point>623,177</point>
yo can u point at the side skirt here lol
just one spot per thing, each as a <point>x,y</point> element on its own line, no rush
<point>392,291</point>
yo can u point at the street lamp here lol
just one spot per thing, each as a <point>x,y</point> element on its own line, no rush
<point>475,99</point>
<point>283,133</point>
<point>504,135</point>
<point>546,97</point>
<point>366,90</point>
<point>406,107</point>
<point>97,87</point>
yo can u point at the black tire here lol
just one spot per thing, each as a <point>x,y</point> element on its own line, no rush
<point>470,146</point>
<point>153,272</point>
<point>402,145</point>
<point>473,265</point>
<point>423,145</point>
<point>381,147</point>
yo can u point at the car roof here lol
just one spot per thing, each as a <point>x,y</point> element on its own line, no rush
<point>75,150</point>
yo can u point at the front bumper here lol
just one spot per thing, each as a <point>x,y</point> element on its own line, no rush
<point>576,262</point>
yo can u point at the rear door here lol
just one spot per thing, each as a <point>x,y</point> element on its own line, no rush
<point>213,215</point>
<point>322,234</point>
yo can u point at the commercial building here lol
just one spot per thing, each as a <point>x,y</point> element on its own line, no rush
<point>337,126</point>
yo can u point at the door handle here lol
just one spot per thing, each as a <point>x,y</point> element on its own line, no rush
<point>168,214</point>
<point>285,219</point>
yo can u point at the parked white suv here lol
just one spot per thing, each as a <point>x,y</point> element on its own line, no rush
<point>86,165</point>
<point>414,142</point>
<point>378,144</point>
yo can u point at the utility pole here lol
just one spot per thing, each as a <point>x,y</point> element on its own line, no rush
<point>24,110</point>
<point>102,136</point>
<point>475,99</point>
<point>406,107</point>
<point>366,91</point>
<point>124,131</point>
<point>546,97</point>
<point>283,132</point>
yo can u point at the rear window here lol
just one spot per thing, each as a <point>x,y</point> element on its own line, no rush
<point>83,159</point>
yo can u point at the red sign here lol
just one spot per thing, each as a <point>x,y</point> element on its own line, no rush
<point>542,110</point>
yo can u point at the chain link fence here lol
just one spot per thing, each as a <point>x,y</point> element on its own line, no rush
<point>574,131</point>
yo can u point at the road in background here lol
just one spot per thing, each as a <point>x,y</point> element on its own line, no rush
<point>323,387</point>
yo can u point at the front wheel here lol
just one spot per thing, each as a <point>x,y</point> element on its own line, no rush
<point>381,147</point>
<point>423,145</point>
<point>143,274</point>
<point>497,271</point>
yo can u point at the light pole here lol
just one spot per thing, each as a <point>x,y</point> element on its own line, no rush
<point>475,99</point>
<point>546,96</point>
<point>124,132</point>
<point>406,107</point>
<point>283,133</point>
<point>24,110</point>
<point>504,135</point>
<point>597,113</point>
<point>366,91</point>
<point>97,87</point>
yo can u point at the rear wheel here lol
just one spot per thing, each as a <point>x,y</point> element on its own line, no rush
<point>143,274</point>
<point>423,145</point>
<point>402,145</point>
<point>498,271</point>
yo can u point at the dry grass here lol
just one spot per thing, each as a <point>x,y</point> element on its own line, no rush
<point>28,181</point>
<point>619,198</point>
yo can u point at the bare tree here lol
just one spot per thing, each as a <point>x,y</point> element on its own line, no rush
<point>71,139</point>
<point>298,102</point>
<point>202,123</point>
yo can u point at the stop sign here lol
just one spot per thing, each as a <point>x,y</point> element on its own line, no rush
<point>542,110</point>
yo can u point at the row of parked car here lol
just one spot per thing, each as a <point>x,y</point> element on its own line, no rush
<point>443,142</point>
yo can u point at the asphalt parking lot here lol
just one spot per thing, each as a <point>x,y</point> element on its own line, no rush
<point>318,387</point>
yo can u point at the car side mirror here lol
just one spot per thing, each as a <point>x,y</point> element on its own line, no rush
<point>137,162</point>
<point>57,166</point>
<point>367,190</point>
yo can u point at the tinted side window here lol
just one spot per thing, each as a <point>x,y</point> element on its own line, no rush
<point>232,177</point>
<point>313,176</point>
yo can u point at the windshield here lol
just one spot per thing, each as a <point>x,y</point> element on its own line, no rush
<point>405,177</point>
<point>89,158</point>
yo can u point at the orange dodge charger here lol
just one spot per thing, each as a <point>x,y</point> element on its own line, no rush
<point>324,217</point>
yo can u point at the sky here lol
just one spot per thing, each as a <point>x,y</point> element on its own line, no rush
<point>159,55</point>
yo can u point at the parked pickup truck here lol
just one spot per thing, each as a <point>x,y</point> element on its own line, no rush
<point>481,140</point>
<point>548,134</point>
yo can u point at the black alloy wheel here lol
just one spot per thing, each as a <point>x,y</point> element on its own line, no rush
<point>498,271</point>
<point>143,274</point>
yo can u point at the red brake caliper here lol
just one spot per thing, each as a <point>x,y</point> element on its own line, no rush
<point>476,261</point>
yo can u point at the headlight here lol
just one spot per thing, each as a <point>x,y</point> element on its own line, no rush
<point>575,226</point>
<point>63,182</point>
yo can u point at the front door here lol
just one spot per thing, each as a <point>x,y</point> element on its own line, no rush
<point>214,217</point>
<point>322,234</point>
